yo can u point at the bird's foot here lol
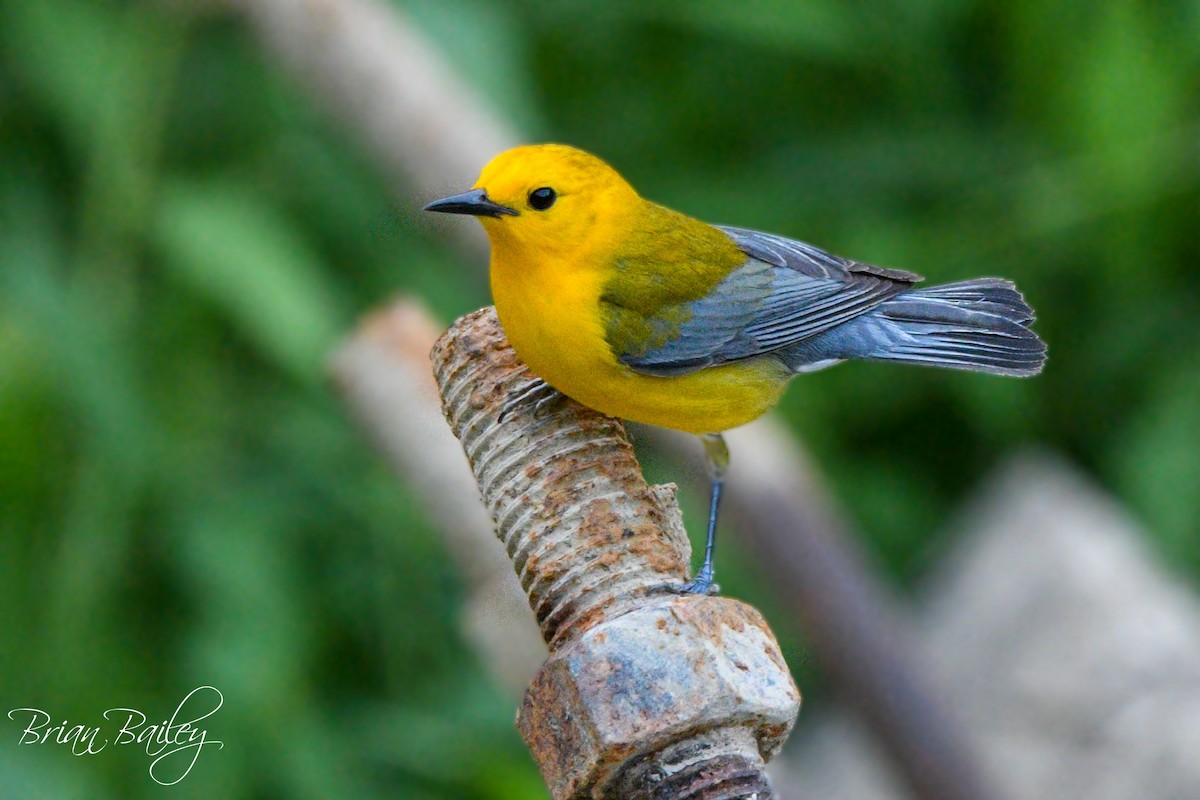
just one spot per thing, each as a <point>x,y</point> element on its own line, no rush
<point>543,395</point>
<point>702,584</point>
<point>699,585</point>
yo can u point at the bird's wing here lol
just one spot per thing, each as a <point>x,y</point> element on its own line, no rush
<point>785,292</point>
<point>806,259</point>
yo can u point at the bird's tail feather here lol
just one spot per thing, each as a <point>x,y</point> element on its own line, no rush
<point>980,325</point>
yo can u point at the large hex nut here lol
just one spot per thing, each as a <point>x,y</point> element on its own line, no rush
<point>632,685</point>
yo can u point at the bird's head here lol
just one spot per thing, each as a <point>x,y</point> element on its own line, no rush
<point>544,198</point>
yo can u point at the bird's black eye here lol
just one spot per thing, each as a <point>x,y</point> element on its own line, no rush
<point>543,198</point>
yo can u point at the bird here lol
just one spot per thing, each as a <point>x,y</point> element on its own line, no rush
<point>647,314</point>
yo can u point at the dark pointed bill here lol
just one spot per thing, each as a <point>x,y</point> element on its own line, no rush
<point>474,202</point>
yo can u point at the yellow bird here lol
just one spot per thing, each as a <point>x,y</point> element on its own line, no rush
<point>647,314</point>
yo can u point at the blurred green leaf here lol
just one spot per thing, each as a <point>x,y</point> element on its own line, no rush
<point>75,54</point>
<point>231,247</point>
<point>1157,461</point>
<point>820,27</point>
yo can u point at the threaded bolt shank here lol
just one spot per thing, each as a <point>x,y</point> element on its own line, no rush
<point>646,695</point>
<point>587,536</point>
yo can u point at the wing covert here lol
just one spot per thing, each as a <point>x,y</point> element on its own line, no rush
<point>786,291</point>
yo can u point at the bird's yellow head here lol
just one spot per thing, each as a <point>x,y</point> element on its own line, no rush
<point>545,198</point>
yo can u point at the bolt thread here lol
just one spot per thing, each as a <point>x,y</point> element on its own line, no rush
<point>721,778</point>
<point>587,536</point>
<point>722,764</point>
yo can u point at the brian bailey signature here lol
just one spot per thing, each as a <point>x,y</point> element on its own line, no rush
<point>174,743</point>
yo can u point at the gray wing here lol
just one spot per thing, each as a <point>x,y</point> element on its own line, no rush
<point>808,260</point>
<point>787,291</point>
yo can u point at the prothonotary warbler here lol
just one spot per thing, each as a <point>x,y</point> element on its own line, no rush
<point>644,313</point>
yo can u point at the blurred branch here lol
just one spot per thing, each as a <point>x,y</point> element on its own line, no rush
<point>378,76</point>
<point>384,376</point>
<point>646,694</point>
<point>851,620</point>
<point>1062,640</point>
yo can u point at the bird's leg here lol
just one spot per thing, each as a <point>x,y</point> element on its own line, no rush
<point>543,394</point>
<point>717,455</point>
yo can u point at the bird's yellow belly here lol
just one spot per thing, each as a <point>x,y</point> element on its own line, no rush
<point>708,401</point>
<point>560,336</point>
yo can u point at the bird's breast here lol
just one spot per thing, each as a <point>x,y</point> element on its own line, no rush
<point>553,320</point>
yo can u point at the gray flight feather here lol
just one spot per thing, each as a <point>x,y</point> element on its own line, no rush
<point>811,309</point>
<point>786,291</point>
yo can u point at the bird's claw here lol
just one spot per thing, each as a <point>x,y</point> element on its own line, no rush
<point>543,404</point>
<point>543,394</point>
<point>701,587</point>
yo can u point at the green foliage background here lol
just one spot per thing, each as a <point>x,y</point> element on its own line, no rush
<point>184,238</point>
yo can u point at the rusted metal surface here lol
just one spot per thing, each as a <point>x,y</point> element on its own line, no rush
<point>710,765</point>
<point>587,536</point>
<point>646,694</point>
<point>669,671</point>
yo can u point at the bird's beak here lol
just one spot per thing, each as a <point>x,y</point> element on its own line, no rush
<point>474,202</point>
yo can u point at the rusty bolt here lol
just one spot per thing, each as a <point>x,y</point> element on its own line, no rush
<point>646,695</point>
